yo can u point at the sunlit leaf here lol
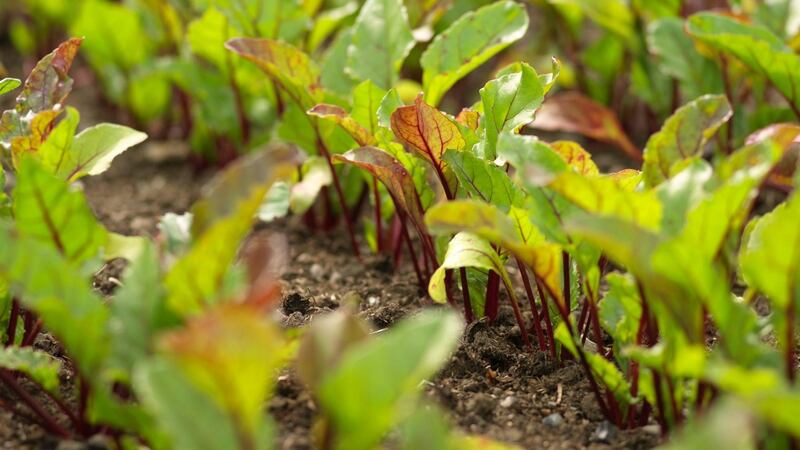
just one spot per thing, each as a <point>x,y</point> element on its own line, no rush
<point>483,179</point>
<point>231,353</point>
<point>426,131</point>
<point>683,136</point>
<point>469,42</point>
<point>94,148</point>
<point>9,84</point>
<point>771,262</point>
<point>381,376</point>
<point>509,102</point>
<point>48,210</point>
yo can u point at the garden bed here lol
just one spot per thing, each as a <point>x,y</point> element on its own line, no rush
<point>491,386</point>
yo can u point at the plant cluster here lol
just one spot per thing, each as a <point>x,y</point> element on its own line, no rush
<point>652,258</point>
<point>186,353</point>
<point>646,278</point>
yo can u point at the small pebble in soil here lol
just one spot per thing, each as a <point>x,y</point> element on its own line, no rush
<point>605,433</point>
<point>373,300</point>
<point>652,429</point>
<point>71,445</point>
<point>317,272</point>
<point>509,401</point>
<point>553,420</point>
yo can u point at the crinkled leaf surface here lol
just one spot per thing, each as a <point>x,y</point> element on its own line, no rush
<point>509,102</point>
<point>469,42</point>
<point>483,179</point>
<point>426,131</point>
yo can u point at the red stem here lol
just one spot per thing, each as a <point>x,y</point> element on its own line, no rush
<point>547,322</point>
<point>11,330</point>
<point>532,300</point>
<point>48,421</point>
<point>378,219</point>
<point>492,296</point>
<point>468,315</point>
<point>339,192</point>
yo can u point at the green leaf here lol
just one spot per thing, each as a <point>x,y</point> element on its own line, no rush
<point>316,174</point>
<point>381,376</point>
<point>333,64</point>
<point>621,309</point>
<point>138,313</point>
<point>469,42</point>
<point>59,142</point>
<point>724,211</point>
<point>232,353</point>
<point>614,15</point>
<point>241,180</point>
<point>191,419</point>
<point>755,46</point>
<point>111,29</point>
<point>484,180</point>
<point>604,196</point>
<point>466,250</point>
<point>684,135</point>
<point>276,202</point>
<point>509,102</point>
<point>380,43</point>
<point>367,98</point>
<point>677,57</point>
<point>326,342</point>
<point>48,210</point>
<point>728,424</point>
<point>60,295</point>
<point>682,192</point>
<point>94,148</point>
<point>9,84</point>
<point>389,103</point>
<point>771,261</point>
<point>39,365</point>
<point>291,69</point>
<point>222,218</point>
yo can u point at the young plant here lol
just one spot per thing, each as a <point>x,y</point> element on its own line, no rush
<point>341,357</point>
